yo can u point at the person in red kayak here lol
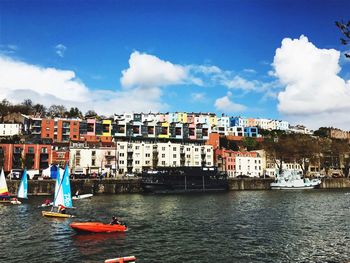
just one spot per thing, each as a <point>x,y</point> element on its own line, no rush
<point>115,221</point>
<point>61,209</point>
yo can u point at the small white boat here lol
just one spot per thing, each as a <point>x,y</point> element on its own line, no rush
<point>130,259</point>
<point>291,179</point>
<point>78,197</point>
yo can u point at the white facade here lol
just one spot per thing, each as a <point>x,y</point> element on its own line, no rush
<point>93,160</point>
<point>10,129</point>
<point>235,131</point>
<point>224,121</point>
<point>134,157</point>
<point>250,166</point>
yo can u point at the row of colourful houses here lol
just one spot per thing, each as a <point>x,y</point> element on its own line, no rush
<point>173,126</point>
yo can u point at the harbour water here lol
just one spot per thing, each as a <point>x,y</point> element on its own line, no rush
<point>248,226</point>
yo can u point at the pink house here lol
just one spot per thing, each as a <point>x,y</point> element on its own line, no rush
<point>91,126</point>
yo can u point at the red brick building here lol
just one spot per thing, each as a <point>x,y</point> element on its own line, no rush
<point>60,130</point>
<point>31,156</point>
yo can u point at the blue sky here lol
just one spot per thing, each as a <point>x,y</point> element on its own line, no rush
<point>202,56</point>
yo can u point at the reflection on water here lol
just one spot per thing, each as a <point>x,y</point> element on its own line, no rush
<point>256,226</point>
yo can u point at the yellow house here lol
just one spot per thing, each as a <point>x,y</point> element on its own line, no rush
<point>107,128</point>
<point>182,117</point>
<point>165,130</point>
<point>213,119</point>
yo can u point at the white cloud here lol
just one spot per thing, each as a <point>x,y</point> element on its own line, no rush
<point>313,93</point>
<point>224,104</point>
<point>198,96</point>
<point>240,83</point>
<point>17,75</point>
<point>20,80</point>
<point>60,50</point>
<point>148,70</point>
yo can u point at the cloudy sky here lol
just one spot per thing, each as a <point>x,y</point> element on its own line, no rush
<point>273,59</point>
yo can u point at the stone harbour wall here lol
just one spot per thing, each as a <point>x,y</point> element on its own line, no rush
<point>124,186</point>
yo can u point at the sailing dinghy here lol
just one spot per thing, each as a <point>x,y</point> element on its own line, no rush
<point>63,195</point>
<point>83,196</point>
<point>4,192</point>
<point>22,189</point>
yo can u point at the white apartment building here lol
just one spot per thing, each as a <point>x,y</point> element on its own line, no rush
<point>250,166</point>
<point>133,157</point>
<point>93,160</point>
<point>224,121</point>
<point>10,129</point>
<point>235,131</point>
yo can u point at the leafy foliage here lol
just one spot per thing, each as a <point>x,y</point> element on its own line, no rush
<point>344,27</point>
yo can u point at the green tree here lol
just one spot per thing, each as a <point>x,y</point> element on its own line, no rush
<point>322,132</point>
<point>344,28</point>
<point>250,143</point>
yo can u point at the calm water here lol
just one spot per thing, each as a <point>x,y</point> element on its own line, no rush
<point>252,226</point>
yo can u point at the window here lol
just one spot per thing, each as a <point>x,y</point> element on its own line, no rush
<point>44,150</point>
<point>93,162</point>
<point>163,148</point>
<point>163,162</point>
<point>137,162</point>
<point>196,149</point>
<point>163,155</point>
<point>121,147</point>
<point>147,162</point>
<point>121,154</point>
<point>174,149</point>
<point>148,155</point>
<point>208,151</point>
<point>31,150</point>
<point>93,153</point>
<point>174,163</point>
<point>174,155</point>
<point>137,147</point>
<point>121,162</point>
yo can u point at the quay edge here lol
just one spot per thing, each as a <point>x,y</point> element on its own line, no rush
<point>125,186</point>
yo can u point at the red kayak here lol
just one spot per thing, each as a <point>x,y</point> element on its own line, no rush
<point>97,227</point>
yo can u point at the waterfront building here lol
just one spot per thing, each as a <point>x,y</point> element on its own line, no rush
<point>303,130</point>
<point>224,121</point>
<point>10,129</point>
<point>163,129</point>
<point>59,129</point>
<point>251,132</point>
<point>133,157</point>
<point>107,127</point>
<point>20,156</point>
<point>85,159</point>
<point>236,131</point>
<point>236,163</point>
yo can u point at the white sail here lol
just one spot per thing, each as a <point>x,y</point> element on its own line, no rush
<point>3,185</point>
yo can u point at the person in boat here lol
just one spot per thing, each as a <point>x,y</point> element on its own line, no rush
<point>77,193</point>
<point>114,221</point>
<point>47,202</point>
<point>61,209</point>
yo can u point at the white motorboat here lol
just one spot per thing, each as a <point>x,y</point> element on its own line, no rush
<point>291,179</point>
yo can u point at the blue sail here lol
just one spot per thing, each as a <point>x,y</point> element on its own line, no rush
<point>58,198</point>
<point>23,187</point>
<point>67,195</point>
